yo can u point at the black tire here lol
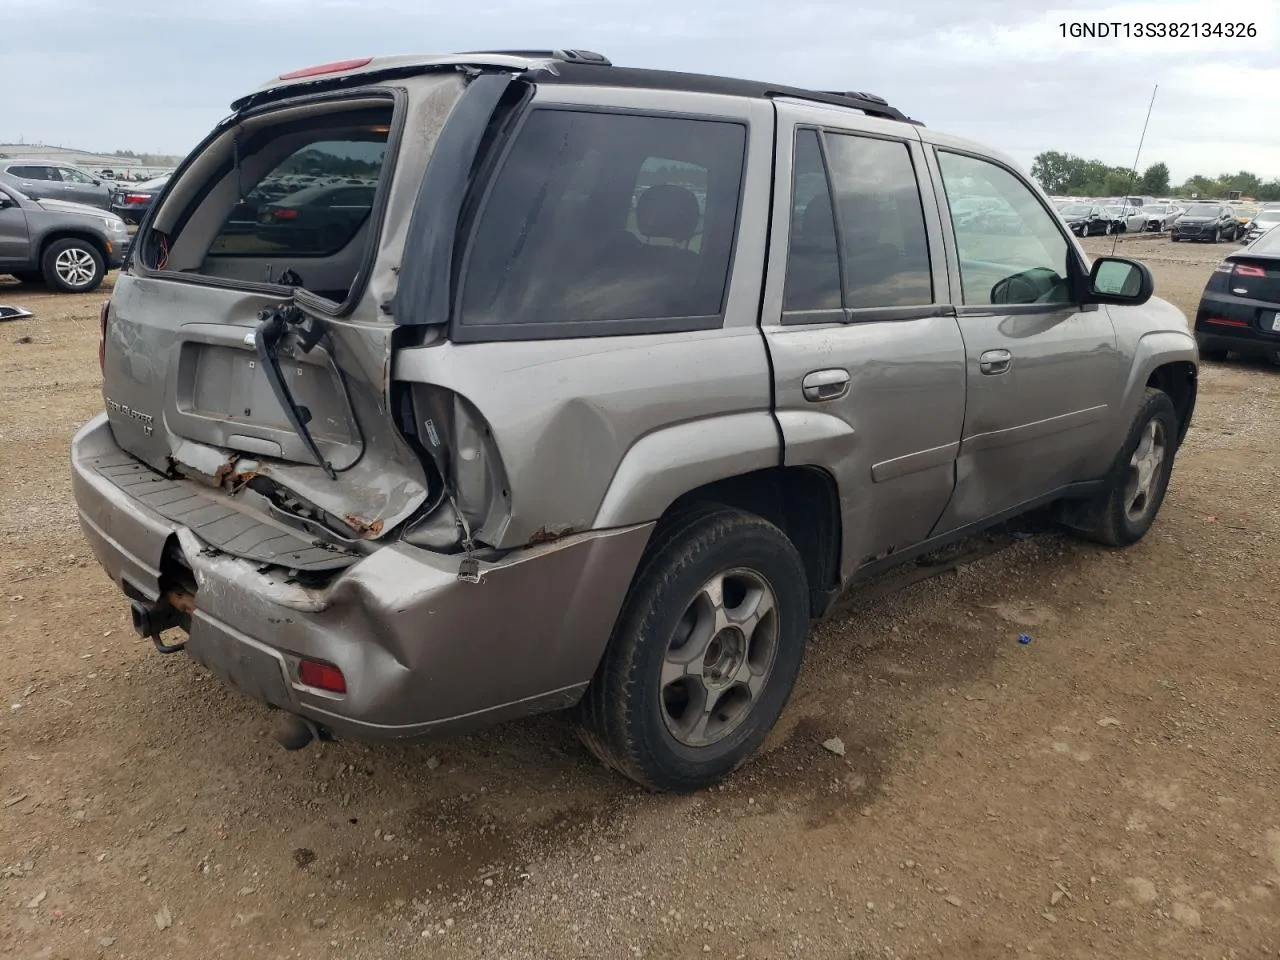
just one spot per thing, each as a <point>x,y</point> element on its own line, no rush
<point>625,719</point>
<point>1173,239</point>
<point>1107,517</point>
<point>89,265</point>
<point>1217,234</point>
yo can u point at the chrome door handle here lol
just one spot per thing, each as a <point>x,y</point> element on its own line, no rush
<point>823,385</point>
<point>994,362</point>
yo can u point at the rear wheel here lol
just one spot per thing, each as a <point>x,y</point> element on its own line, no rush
<point>1126,508</point>
<point>1106,229</point>
<point>73,266</point>
<point>1217,234</point>
<point>705,652</point>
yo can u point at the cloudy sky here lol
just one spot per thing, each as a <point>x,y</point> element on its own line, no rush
<point>155,77</point>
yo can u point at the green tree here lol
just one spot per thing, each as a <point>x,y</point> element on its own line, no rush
<point>1056,171</point>
<point>1155,180</point>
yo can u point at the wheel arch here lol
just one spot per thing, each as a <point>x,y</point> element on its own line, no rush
<point>68,233</point>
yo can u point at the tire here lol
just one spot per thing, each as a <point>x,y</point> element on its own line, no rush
<point>1106,229</point>
<point>654,732</point>
<point>1217,234</point>
<point>73,266</point>
<point>1124,511</point>
<point>1173,239</point>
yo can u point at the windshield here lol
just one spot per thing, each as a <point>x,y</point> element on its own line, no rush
<point>1268,216</point>
<point>1114,210</point>
<point>1157,208</point>
<point>1075,209</point>
<point>1204,210</point>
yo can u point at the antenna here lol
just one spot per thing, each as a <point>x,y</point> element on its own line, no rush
<point>1133,174</point>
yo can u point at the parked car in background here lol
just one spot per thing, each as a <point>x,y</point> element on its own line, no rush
<point>1086,219</point>
<point>1267,218</point>
<point>1206,221</point>
<point>1160,216</point>
<point>132,201</point>
<point>41,180</point>
<point>320,218</point>
<point>68,245</point>
<point>1126,218</point>
<point>1239,311</point>
<point>1244,214</point>
<point>781,363</point>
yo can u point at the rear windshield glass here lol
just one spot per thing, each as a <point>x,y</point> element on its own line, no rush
<point>598,217</point>
<point>311,203</point>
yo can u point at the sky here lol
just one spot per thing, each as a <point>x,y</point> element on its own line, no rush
<point>156,77</point>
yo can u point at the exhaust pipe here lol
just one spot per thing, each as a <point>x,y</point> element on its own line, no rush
<point>294,732</point>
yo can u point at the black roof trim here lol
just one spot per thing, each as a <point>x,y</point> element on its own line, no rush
<point>578,73</point>
<point>565,55</point>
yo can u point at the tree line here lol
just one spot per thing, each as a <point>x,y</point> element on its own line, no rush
<point>1064,173</point>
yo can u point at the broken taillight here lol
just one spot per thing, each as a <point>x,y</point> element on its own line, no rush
<point>322,676</point>
<point>104,313</point>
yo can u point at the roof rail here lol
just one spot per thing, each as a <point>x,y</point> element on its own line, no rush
<point>568,55</point>
<point>868,103</point>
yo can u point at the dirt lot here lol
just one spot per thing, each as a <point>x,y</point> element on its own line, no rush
<point>1108,790</point>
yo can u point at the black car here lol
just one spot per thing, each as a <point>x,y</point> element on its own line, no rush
<point>1240,309</point>
<point>132,201</point>
<point>1206,221</point>
<point>1085,219</point>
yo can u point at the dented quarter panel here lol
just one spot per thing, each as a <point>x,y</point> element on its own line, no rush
<point>566,414</point>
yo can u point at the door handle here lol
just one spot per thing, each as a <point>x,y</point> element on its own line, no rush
<point>994,362</point>
<point>823,385</point>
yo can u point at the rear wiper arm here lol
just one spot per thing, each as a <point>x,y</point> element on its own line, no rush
<point>274,324</point>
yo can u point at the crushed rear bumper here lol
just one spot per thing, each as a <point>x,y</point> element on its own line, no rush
<point>421,650</point>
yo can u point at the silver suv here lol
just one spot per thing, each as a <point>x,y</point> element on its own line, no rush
<point>612,382</point>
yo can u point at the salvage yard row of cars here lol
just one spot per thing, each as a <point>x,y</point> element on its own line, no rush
<point>1209,220</point>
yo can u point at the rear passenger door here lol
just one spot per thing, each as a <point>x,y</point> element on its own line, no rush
<point>1042,369</point>
<point>868,362</point>
<point>37,181</point>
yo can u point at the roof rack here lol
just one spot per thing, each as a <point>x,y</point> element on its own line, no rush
<point>577,71</point>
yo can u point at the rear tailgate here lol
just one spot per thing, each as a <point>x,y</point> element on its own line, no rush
<point>184,383</point>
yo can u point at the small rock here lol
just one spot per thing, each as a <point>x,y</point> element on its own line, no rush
<point>304,857</point>
<point>182,828</point>
<point>488,881</point>
<point>14,801</point>
<point>1055,898</point>
<point>245,891</point>
<point>834,745</point>
<point>432,763</point>
<point>1108,722</point>
<point>38,899</point>
<point>106,941</point>
<point>1186,915</point>
<point>953,900</point>
<point>319,922</point>
<point>164,918</point>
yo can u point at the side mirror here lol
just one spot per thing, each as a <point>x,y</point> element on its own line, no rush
<point>1120,281</point>
<point>5,201</point>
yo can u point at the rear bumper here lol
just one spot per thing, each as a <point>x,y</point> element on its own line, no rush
<point>422,651</point>
<point>1226,322</point>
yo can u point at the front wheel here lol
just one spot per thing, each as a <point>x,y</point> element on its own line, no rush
<point>73,266</point>
<point>1217,235</point>
<point>1106,229</point>
<point>704,654</point>
<point>1123,512</point>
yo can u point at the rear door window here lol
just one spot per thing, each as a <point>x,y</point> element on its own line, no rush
<point>305,206</point>
<point>884,250</point>
<point>615,222</point>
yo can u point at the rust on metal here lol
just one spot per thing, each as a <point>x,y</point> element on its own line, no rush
<point>181,601</point>
<point>363,527</point>
<point>225,470</point>
<point>550,534</point>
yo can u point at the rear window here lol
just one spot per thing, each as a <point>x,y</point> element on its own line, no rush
<point>621,221</point>
<point>310,204</point>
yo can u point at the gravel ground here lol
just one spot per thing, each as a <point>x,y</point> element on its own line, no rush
<point>1107,790</point>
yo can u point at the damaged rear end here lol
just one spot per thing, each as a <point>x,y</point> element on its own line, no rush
<point>260,479</point>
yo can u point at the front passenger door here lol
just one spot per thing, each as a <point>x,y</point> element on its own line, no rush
<point>1041,368</point>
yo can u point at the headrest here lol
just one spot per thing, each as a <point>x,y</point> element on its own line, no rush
<point>668,212</point>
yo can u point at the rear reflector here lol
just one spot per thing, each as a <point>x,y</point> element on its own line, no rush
<point>286,213</point>
<point>322,676</point>
<point>338,66</point>
<point>1224,322</point>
